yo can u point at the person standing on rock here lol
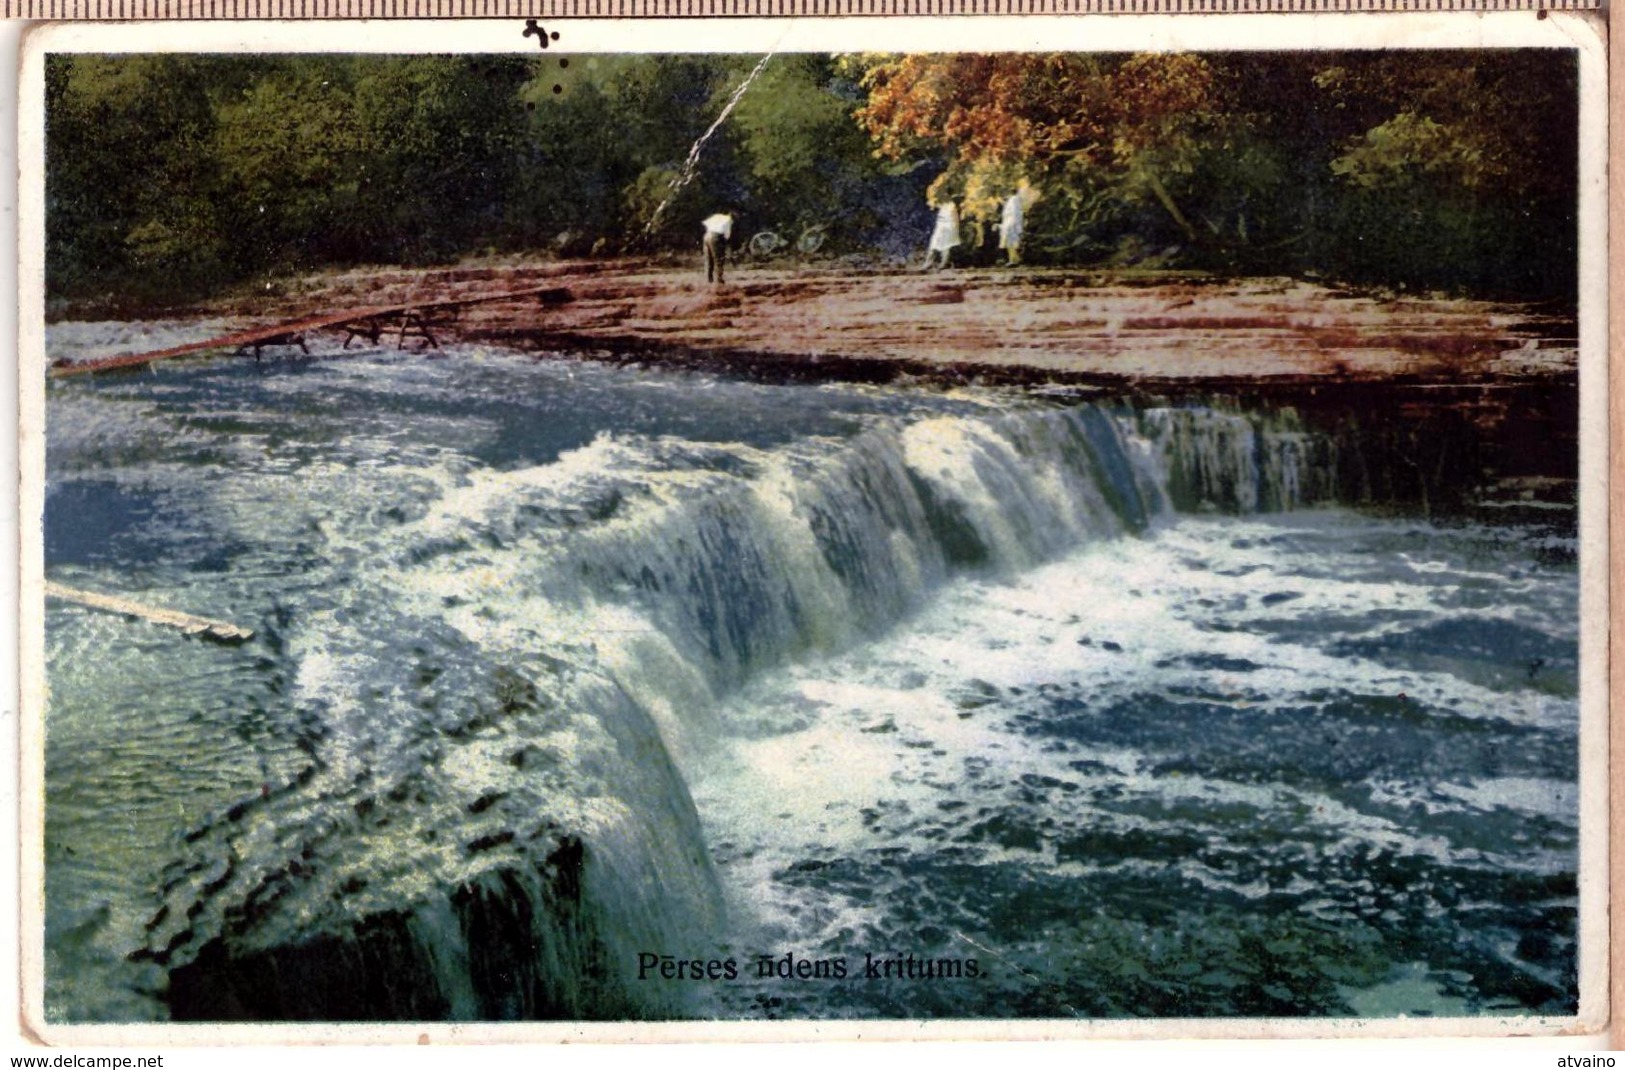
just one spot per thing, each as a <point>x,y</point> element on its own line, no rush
<point>945,237</point>
<point>719,229</point>
<point>1013,220</point>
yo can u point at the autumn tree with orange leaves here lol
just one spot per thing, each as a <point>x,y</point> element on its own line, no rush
<point>1098,130</point>
<point>169,177</point>
<point>1435,169</point>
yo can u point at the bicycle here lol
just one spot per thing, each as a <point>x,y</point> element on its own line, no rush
<point>769,243</point>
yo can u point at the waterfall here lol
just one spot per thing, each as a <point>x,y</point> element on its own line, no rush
<point>1235,463</point>
<point>493,821</point>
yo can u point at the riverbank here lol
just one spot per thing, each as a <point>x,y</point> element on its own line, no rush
<point>1023,325</point>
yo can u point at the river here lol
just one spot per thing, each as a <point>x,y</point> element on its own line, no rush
<point>1064,707</point>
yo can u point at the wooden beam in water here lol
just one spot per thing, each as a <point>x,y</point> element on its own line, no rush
<point>271,334</point>
<point>235,340</point>
<point>217,630</point>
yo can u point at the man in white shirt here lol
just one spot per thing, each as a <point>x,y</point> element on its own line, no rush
<point>719,229</point>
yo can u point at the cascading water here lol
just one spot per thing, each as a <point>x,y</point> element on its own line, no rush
<point>514,616</point>
<point>1224,461</point>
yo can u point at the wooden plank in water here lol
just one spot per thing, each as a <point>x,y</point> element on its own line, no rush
<point>258,336</point>
<point>217,630</point>
<point>234,340</point>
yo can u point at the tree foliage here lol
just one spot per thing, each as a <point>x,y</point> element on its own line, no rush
<point>176,175</point>
<point>1432,169</point>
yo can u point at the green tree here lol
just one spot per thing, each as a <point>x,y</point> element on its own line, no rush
<point>170,176</point>
<point>1453,170</point>
<point>437,141</point>
<point>1461,169</point>
<point>289,148</point>
<point>806,160</point>
<point>132,186</point>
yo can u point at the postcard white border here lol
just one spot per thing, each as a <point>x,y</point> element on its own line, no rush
<point>1032,33</point>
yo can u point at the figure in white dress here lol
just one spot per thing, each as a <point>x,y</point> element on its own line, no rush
<point>945,237</point>
<point>1013,220</point>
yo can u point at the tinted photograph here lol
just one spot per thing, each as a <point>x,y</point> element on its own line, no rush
<point>801,536</point>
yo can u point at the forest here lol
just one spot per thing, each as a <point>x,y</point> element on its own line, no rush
<point>170,178</point>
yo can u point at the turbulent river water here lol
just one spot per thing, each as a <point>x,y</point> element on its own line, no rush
<point>903,703</point>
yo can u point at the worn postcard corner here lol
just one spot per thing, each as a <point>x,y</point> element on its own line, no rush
<point>986,528</point>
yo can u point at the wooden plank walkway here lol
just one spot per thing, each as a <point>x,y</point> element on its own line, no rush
<point>372,322</point>
<point>217,630</point>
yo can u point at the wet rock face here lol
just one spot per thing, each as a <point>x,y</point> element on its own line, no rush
<point>1496,454</point>
<point>1023,325</point>
<point>492,951</point>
